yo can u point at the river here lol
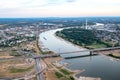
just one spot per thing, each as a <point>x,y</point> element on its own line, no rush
<point>95,66</point>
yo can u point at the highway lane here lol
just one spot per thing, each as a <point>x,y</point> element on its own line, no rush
<point>39,69</point>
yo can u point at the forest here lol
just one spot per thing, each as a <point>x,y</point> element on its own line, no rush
<point>82,37</point>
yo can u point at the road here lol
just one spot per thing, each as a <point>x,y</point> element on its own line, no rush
<point>39,66</point>
<point>39,69</point>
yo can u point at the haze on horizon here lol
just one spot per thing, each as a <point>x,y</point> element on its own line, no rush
<point>58,8</point>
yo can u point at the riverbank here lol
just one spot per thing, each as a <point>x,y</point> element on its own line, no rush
<point>54,66</point>
<point>50,61</point>
<point>82,48</point>
<point>111,54</point>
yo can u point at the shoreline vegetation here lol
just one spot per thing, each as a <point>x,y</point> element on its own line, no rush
<point>82,37</point>
<point>40,49</point>
<point>66,72</point>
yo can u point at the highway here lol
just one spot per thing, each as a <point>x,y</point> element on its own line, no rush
<point>39,69</point>
<point>39,66</point>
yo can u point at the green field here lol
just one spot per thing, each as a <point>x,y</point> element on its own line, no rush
<point>59,75</point>
<point>66,72</point>
<point>93,46</point>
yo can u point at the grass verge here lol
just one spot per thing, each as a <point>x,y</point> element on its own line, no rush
<point>59,75</point>
<point>18,70</point>
<point>66,72</point>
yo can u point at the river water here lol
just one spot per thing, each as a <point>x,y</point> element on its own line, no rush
<point>95,66</point>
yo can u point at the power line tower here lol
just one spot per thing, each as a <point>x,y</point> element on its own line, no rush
<point>86,27</point>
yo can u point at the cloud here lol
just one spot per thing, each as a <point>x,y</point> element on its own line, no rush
<point>70,1</point>
<point>58,7</point>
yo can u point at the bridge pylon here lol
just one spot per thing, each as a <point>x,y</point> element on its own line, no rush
<point>91,53</point>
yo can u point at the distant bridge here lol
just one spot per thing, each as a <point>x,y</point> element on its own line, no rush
<point>58,54</point>
<point>91,52</point>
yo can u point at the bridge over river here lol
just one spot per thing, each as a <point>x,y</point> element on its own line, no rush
<point>92,52</point>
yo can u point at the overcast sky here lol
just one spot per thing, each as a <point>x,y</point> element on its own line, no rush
<point>59,8</point>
